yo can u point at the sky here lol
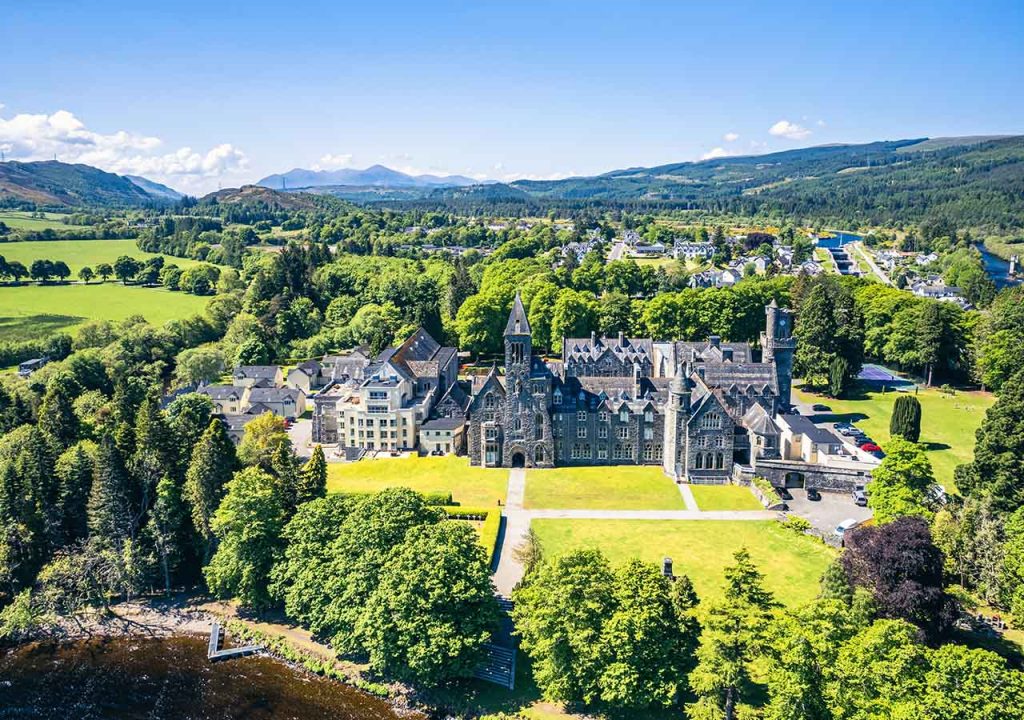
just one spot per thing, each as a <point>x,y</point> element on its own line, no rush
<point>201,95</point>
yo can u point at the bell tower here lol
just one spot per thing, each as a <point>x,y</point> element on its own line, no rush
<point>518,345</point>
<point>777,347</point>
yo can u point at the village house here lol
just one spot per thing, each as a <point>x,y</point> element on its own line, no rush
<point>257,376</point>
<point>686,250</point>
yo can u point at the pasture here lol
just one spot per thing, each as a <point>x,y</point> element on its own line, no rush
<point>23,220</point>
<point>80,253</point>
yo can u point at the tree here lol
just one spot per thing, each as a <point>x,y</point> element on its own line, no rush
<point>906,418</point>
<point>560,634</point>
<point>104,270</point>
<point>109,507</point>
<point>574,315</point>
<point>213,462</point>
<point>56,412</point>
<point>17,271</point>
<point>434,608</point>
<point>125,267</point>
<point>903,569</point>
<point>734,635</point>
<point>194,366</point>
<point>41,270</point>
<point>74,470</point>
<point>828,326</point>
<point>838,376</point>
<point>899,485</point>
<point>189,416</point>
<point>253,351</point>
<point>248,526</point>
<point>86,274</point>
<point>313,478</point>
<point>997,470</point>
<point>1012,571</point>
<point>263,438</point>
<point>969,684</point>
<point>61,270</point>
<point>166,527</point>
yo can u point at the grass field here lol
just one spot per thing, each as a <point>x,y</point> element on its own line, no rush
<point>34,311</point>
<point>79,253</point>
<point>469,486</point>
<point>22,220</point>
<point>701,549</point>
<point>947,423</point>
<point>725,497</point>
<point>602,488</point>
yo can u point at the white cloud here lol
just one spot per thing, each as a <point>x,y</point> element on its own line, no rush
<point>62,135</point>
<point>786,129</point>
<point>731,137</point>
<point>718,152</point>
<point>333,162</point>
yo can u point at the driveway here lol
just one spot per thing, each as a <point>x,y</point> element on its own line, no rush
<point>828,512</point>
<point>301,434</point>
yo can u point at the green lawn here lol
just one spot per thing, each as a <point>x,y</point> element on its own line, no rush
<point>23,220</point>
<point>469,486</point>
<point>602,488</point>
<point>79,253</point>
<point>31,311</point>
<point>947,423</point>
<point>725,497</point>
<point>701,549</point>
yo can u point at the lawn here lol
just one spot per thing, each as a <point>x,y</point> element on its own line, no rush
<point>33,311</point>
<point>79,253</point>
<point>22,220</point>
<point>602,488</point>
<point>947,423</point>
<point>701,549</point>
<point>469,486</point>
<point>725,497</point>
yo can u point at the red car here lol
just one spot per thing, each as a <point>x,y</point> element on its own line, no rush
<point>869,447</point>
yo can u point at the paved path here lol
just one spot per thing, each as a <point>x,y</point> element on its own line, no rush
<point>618,249</point>
<point>516,523</point>
<point>871,263</point>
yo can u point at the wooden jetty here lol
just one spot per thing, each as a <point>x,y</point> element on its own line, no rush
<point>214,652</point>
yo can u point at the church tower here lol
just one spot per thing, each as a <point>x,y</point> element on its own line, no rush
<point>778,346</point>
<point>527,421</point>
<point>518,344</point>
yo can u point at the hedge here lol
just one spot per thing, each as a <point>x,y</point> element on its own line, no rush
<point>767,493</point>
<point>488,531</point>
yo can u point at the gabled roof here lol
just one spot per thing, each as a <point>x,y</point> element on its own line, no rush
<point>517,322</point>
<point>272,395</point>
<point>221,392</point>
<point>757,420</point>
<point>256,371</point>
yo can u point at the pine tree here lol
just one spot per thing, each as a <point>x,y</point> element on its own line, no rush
<point>906,418</point>
<point>838,372</point>
<point>285,468</point>
<point>75,470</point>
<point>35,465</point>
<point>312,478</point>
<point>109,508</point>
<point>213,463</point>
<point>835,585</point>
<point>155,456</point>
<point>57,413</point>
<point>166,527</point>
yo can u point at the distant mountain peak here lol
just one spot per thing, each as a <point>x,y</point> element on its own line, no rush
<point>374,176</point>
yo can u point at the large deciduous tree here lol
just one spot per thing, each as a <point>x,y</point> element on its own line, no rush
<point>899,485</point>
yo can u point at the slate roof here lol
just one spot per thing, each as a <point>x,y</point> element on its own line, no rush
<point>712,350</point>
<point>221,392</point>
<point>800,425</point>
<point>517,322</point>
<point>272,395</point>
<point>310,367</point>
<point>267,372</point>
<point>419,356</point>
<point>443,424</point>
<point>743,375</point>
<point>757,420</point>
<point>630,350</point>
<point>612,392</point>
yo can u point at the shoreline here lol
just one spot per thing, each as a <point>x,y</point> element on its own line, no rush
<point>191,616</point>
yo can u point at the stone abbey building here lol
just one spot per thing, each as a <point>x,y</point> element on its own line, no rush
<point>695,408</point>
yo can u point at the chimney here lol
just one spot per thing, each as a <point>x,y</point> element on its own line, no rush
<point>637,379</point>
<point>622,338</point>
<point>666,568</point>
<point>715,340</point>
<point>593,338</point>
<point>727,354</point>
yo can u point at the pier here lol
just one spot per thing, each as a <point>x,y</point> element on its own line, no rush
<point>214,652</point>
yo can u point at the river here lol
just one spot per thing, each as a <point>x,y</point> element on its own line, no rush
<point>167,679</point>
<point>996,268</point>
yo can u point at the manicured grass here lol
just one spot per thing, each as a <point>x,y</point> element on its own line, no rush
<point>947,423</point>
<point>469,485</point>
<point>37,310</point>
<point>79,253</point>
<point>701,549</point>
<point>22,220</point>
<point>725,497</point>
<point>602,488</point>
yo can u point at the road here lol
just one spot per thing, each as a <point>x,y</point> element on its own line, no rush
<point>859,247</point>
<point>618,249</point>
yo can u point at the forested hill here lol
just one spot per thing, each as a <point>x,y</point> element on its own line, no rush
<point>977,180</point>
<point>53,183</point>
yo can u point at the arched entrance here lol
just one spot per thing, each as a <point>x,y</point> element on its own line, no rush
<point>518,459</point>
<point>795,480</point>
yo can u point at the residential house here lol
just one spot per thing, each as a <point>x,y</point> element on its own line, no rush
<point>227,399</point>
<point>283,401</point>
<point>685,250</point>
<point>306,376</point>
<point>257,376</point>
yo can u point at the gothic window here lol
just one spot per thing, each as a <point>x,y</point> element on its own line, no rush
<point>557,397</point>
<point>602,452</point>
<point>602,431</point>
<point>624,415</point>
<point>711,420</point>
<point>538,428</point>
<point>709,460</point>
<point>648,415</point>
<point>603,416</point>
<point>581,431</point>
<point>698,462</point>
<point>648,433</point>
<point>538,455</point>
<point>648,451</point>
<point>489,401</point>
<point>719,461</point>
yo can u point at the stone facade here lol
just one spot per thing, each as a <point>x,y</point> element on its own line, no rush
<point>695,409</point>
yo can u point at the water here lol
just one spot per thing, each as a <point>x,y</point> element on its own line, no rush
<point>167,679</point>
<point>840,238</point>
<point>997,268</point>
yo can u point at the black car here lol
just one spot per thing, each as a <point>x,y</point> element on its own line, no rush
<point>818,407</point>
<point>813,494</point>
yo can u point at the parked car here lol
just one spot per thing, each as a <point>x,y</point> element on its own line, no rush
<point>818,407</point>
<point>859,496</point>
<point>869,447</point>
<point>813,494</point>
<point>936,493</point>
<point>878,454</point>
<point>848,430</point>
<point>845,526</point>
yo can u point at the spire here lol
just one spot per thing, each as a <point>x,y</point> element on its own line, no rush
<point>517,322</point>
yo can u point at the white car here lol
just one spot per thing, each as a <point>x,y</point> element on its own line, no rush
<point>848,524</point>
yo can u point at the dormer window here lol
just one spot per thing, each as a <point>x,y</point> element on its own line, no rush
<point>624,415</point>
<point>557,397</point>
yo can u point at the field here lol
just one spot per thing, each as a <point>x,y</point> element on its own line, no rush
<point>725,497</point>
<point>21,220</point>
<point>602,488</point>
<point>469,486</point>
<point>35,311</point>
<point>79,253</point>
<point>701,549</point>
<point>947,423</point>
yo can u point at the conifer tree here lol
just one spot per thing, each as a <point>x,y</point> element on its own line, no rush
<point>109,507</point>
<point>56,412</point>
<point>312,478</point>
<point>285,468</point>
<point>75,468</point>
<point>906,418</point>
<point>35,465</point>
<point>213,463</point>
<point>166,527</point>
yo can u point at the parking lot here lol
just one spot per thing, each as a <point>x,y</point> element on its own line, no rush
<point>828,512</point>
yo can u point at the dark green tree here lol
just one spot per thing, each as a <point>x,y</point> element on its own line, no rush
<point>906,418</point>
<point>312,479</point>
<point>75,469</point>
<point>166,528</point>
<point>838,376</point>
<point>213,463</point>
<point>109,506</point>
<point>56,412</point>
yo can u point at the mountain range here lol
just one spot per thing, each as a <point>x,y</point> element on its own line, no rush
<point>53,183</point>
<point>373,176</point>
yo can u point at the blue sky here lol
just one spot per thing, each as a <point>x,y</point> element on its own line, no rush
<point>203,94</point>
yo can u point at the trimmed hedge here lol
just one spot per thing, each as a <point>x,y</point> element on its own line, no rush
<point>491,518</point>
<point>766,492</point>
